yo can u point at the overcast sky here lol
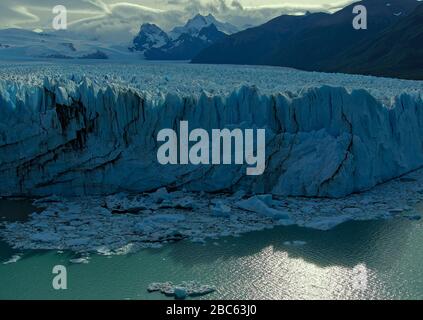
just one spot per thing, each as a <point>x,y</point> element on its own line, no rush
<point>114,18</point>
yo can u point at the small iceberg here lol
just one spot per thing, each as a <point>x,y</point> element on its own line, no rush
<point>82,260</point>
<point>221,210</point>
<point>181,291</point>
<point>260,205</point>
<point>327,223</point>
<point>15,258</point>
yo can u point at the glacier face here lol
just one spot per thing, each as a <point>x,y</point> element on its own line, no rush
<point>82,135</point>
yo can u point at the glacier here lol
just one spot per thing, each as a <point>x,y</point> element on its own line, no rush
<point>91,133</point>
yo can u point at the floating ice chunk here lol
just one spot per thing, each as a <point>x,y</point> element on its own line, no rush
<point>327,223</point>
<point>198,240</point>
<point>186,203</point>
<point>128,248</point>
<point>266,198</point>
<point>221,210</point>
<point>15,258</point>
<point>286,222</point>
<point>82,260</point>
<point>104,251</point>
<point>256,205</point>
<point>157,286</point>
<point>181,291</point>
<point>160,195</point>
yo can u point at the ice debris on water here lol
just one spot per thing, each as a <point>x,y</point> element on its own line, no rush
<point>181,291</point>
<point>123,223</point>
<point>262,206</point>
<point>327,136</point>
<point>221,210</point>
<point>82,260</point>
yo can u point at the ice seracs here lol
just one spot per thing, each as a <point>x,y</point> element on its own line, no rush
<point>77,135</point>
<point>195,147</point>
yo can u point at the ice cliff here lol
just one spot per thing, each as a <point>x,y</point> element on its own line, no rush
<point>76,137</point>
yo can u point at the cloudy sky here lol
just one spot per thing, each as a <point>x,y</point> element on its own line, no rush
<point>116,19</point>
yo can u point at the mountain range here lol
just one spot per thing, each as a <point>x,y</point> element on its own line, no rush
<point>182,43</point>
<point>392,46</point>
<point>328,42</point>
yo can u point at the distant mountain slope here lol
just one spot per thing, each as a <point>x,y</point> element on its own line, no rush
<point>182,43</point>
<point>186,45</point>
<point>397,52</point>
<point>199,22</point>
<point>25,44</point>
<point>150,36</point>
<point>309,42</point>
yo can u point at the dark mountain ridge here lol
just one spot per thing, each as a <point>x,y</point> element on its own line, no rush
<point>314,42</point>
<point>396,52</point>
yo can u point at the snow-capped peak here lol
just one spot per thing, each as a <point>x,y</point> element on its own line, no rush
<point>182,43</point>
<point>150,28</point>
<point>150,36</point>
<point>198,22</point>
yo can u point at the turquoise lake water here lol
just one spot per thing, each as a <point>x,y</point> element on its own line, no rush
<point>258,265</point>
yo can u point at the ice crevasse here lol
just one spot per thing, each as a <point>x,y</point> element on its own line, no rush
<point>79,138</point>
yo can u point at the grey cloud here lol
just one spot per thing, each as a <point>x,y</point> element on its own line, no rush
<point>237,5</point>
